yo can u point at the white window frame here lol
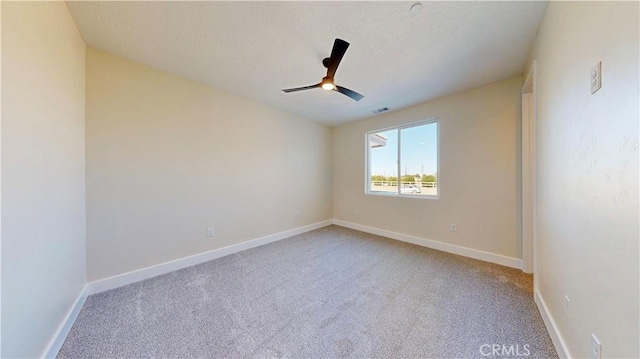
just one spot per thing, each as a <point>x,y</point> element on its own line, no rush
<point>367,188</point>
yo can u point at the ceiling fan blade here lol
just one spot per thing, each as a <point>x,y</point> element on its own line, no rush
<point>345,91</point>
<point>301,88</point>
<point>339,48</point>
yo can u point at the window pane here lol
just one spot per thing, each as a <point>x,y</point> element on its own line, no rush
<point>419,159</point>
<point>383,157</point>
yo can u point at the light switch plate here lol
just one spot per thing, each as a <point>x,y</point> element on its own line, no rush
<point>596,77</point>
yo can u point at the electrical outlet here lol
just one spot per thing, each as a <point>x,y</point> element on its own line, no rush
<point>453,227</point>
<point>596,77</point>
<point>210,232</point>
<point>596,347</point>
<point>297,214</point>
<point>567,301</point>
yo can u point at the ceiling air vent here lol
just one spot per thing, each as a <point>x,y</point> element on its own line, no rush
<point>383,109</point>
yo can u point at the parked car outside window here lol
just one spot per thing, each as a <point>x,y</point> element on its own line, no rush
<point>409,188</point>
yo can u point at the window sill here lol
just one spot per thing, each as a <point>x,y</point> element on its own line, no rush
<point>404,195</point>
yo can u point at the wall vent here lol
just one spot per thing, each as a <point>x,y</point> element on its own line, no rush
<point>383,109</point>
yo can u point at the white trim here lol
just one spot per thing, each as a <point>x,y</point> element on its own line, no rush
<point>54,345</point>
<point>528,162</point>
<point>398,163</point>
<point>556,337</point>
<point>527,190</point>
<point>134,276</point>
<point>120,280</point>
<point>367,179</point>
<point>534,170</point>
<point>56,342</point>
<point>367,160</point>
<point>441,246</point>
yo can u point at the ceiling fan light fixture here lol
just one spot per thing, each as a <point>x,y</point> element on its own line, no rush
<point>328,85</point>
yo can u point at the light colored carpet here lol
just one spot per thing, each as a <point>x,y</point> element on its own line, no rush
<point>330,293</point>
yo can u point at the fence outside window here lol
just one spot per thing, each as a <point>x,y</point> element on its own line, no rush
<point>395,183</point>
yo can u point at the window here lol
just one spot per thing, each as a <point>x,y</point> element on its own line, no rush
<point>403,160</point>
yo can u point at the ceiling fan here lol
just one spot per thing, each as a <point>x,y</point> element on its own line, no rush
<point>331,63</point>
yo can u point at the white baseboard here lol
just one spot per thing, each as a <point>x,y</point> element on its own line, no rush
<point>556,338</point>
<point>163,268</point>
<point>58,338</point>
<point>441,246</point>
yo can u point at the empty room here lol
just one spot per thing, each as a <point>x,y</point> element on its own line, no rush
<point>221,179</point>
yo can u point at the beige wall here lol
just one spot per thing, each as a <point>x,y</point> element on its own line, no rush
<point>168,157</point>
<point>588,174</point>
<point>43,178</point>
<point>478,172</point>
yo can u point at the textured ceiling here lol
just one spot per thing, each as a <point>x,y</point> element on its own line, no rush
<point>255,49</point>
